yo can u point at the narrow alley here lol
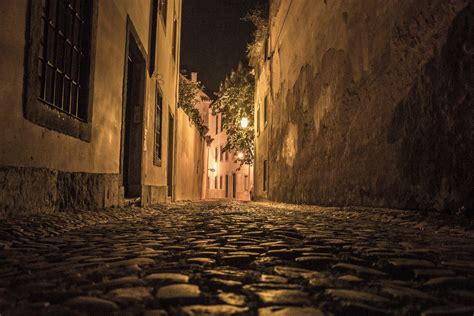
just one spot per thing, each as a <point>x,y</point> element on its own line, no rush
<point>236,157</point>
<point>241,258</point>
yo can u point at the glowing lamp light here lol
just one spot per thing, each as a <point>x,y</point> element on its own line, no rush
<point>244,122</point>
<point>240,156</point>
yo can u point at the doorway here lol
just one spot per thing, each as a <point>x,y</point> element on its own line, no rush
<point>170,154</point>
<point>234,185</point>
<point>133,119</point>
<point>226,185</point>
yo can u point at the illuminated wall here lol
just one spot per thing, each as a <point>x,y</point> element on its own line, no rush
<point>368,103</point>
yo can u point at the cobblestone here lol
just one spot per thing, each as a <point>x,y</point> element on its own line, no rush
<point>234,258</point>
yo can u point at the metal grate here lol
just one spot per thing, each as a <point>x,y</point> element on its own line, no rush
<point>62,55</point>
<point>158,123</point>
<point>162,9</point>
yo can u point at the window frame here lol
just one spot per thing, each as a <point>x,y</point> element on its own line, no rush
<point>153,34</point>
<point>265,175</point>
<point>163,13</point>
<point>40,112</point>
<point>174,43</point>
<point>265,111</point>
<point>158,95</point>
<point>258,120</point>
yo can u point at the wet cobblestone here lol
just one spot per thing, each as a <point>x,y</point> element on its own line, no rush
<point>232,258</point>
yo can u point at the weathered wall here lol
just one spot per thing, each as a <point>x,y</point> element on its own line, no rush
<point>370,103</point>
<point>40,190</point>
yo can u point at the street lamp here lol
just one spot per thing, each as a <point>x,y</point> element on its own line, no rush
<point>244,122</point>
<point>240,155</point>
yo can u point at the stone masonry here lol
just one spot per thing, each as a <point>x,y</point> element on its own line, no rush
<point>230,258</point>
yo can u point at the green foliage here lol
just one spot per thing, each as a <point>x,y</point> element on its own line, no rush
<point>188,100</point>
<point>236,101</point>
<point>256,48</point>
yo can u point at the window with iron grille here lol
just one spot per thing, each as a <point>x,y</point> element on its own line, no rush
<point>265,111</point>
<point>158,126</point>
<point>258,120</point>
<point>153,31</point>
<point>162,9</point>
<point>175,38</point>
<point>59,65</point>
<point>62,71</point>
<point>265,175</point>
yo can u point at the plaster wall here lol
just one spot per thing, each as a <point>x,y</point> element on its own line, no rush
<point>189,160</point>
<point>89,168</point>
<point>27,144</point>
<point>165,79</point>
<point>370,103</point>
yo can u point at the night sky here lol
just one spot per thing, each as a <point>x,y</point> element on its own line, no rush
<point>214,39</point>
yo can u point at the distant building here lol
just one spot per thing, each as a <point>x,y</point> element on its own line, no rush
<point>226,179</point>
<point>88,104</point>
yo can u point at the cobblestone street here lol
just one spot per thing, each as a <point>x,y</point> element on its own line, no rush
<point>237,258</point>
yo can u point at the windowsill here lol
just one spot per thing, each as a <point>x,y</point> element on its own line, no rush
<point>157,162</point>
<point>163,23</point>
<point>48,117</point>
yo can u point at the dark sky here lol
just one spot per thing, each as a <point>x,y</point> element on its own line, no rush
<point>214,39</point>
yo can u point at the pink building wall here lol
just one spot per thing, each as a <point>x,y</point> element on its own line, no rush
<point>226,179</point>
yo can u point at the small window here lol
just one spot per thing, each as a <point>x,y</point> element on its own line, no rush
<point>215,154</point>
<point>215,182</point>
<point>60,57</point>
<point>246,183</point>
<point>220,182</point>
<point>217,124</point>
<point>152,41</point>
<point>258,119</point>
<point>158,126</point>
<point>208,182</point>
<point>265,111</point>
<point>265,175</point>
<point>162,9</point>
<point>226,156</point>
<point>174,48</point>
<point>221,154</point>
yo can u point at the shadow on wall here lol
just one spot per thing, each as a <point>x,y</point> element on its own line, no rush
<point>435,125</point>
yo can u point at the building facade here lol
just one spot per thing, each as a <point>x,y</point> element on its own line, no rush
<point>226,179</point>
<point>88,91</point>
<point>366,103</point>
<point>191,151</point>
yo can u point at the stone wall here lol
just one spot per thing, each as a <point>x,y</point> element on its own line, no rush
<point>40,190</point>
<point>370,103</point>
